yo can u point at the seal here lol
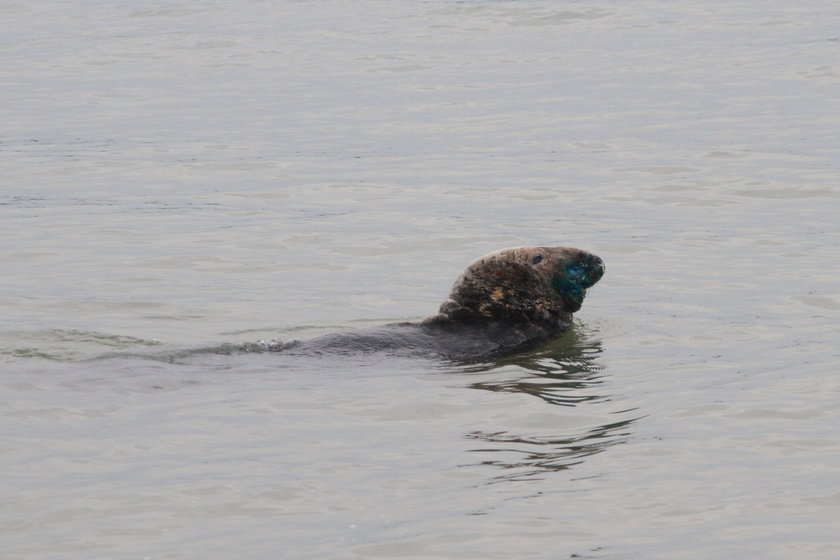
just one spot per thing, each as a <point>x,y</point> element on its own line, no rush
<point>502,303</point>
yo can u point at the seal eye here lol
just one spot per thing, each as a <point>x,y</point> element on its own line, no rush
<point>536,259</point>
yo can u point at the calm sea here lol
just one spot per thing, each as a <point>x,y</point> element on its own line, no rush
<point>179,175</point>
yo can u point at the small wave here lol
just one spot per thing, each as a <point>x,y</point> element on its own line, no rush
<point>65,344</point>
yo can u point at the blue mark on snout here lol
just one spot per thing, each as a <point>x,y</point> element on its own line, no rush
<point>575,277</point>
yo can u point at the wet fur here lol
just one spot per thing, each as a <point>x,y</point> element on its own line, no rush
<point>503,302</point>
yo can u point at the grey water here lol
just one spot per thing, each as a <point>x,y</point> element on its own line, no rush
<point>177,176</point>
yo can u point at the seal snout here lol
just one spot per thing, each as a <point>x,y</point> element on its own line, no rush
<point>594,267</point>
<point>586,270</point>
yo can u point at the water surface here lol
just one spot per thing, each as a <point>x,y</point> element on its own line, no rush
<point>180,176</point>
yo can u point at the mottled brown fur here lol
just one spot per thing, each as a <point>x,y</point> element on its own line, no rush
<point>520,286</point>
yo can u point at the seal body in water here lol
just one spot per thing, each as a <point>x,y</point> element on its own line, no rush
<point>502,302</point>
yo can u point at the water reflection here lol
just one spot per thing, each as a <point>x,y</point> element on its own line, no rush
<point>565,373</point>
<point>531,457</point>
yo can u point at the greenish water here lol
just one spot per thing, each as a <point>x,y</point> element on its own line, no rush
<point>177,177</point>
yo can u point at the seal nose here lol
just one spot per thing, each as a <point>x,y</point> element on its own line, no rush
<point>596,268</point>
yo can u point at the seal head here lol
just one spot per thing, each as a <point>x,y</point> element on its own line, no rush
<point>523,286</point>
